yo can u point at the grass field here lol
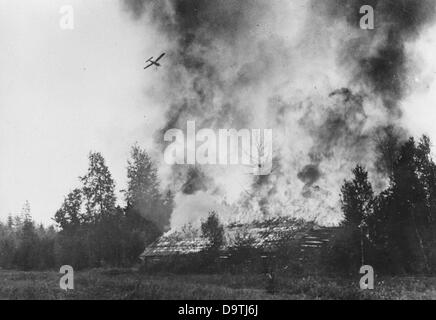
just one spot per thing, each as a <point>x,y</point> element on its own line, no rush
<point>128,284</point>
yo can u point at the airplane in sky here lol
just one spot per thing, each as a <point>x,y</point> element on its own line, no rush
<point>155,62</point>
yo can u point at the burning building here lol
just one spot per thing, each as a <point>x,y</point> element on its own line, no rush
<point>266,236</point>
<point>305,69</point>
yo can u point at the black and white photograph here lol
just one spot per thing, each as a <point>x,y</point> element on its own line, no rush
<point>218,150</point>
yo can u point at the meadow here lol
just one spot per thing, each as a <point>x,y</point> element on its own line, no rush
<point>125,284</point>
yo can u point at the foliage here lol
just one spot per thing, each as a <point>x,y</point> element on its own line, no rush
<point>143,194</point>
<point>213,230</point>
<point>98,189</point>
<point>25,246</point>
<point>93,231</point>
<point>397,228</point>
<point>120,284</point>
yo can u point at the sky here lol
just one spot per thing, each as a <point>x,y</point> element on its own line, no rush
<point>64,93</point>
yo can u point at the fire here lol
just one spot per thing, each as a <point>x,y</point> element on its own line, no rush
<point>301,68</point>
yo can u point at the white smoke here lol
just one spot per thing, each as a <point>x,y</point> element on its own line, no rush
<point>268,64</point>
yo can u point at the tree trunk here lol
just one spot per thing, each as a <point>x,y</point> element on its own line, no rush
<point>420,242</point>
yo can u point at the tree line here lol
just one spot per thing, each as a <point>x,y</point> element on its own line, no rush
<point>395,230</point>
<point>93,231</point>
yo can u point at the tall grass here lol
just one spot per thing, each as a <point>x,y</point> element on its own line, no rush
<point>122,284</point>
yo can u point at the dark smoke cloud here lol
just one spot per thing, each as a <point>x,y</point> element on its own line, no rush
<point>196,180</point>
<point>309,174</point>
<point>190,20</point>
<point>217,61</point>
<point>194,28</point>
<point>342,124</point>
<point>378,56</point>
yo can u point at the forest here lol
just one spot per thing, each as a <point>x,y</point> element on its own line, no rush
<point>90,229</point>
<point>393,230</point>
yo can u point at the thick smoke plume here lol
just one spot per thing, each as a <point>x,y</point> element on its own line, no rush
<point>303,68</point>
<point>379,59</point>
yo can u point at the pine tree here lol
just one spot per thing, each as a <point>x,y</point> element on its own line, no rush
<point>10,222</point>
<point>17,222</point>
<point>25,212</point>
<point>27,251</point>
